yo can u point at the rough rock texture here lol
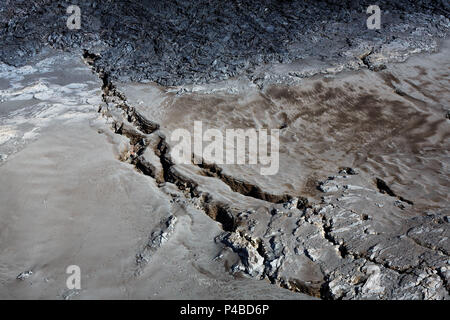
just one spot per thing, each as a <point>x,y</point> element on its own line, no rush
<point>157,239</point>
<point>402,260</point>
<point>179,42</point>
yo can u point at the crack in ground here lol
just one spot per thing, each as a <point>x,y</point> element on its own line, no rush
<point>385,189</point>
<point>218,211</point>
<point>428,247</point>
<point>243,187</point>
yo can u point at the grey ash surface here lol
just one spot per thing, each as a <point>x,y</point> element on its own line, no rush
<point>182,42</point>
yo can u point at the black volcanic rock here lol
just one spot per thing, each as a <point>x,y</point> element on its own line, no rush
<point>178,42</point>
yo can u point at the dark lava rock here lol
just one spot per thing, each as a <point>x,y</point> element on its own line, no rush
<point>179,42</point>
